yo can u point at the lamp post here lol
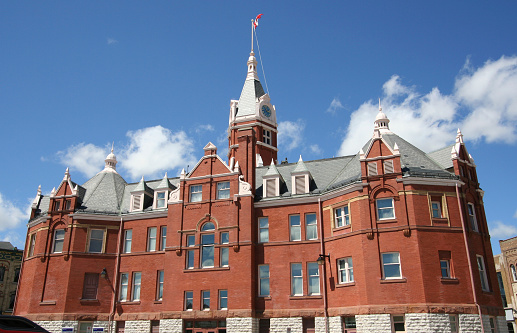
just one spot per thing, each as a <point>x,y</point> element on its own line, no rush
<point>104,274</point>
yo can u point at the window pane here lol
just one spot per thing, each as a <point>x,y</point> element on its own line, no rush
<point>297,280</point>
<point>196,193</point>
<point>263,230</point>
<point>295,228</point>
<point>136,286</point>
<point>96,240</point>
<point>208,226</point>
<point>314,279</point>
<point>264,280</point>
<point>206,299</point>
<point>151,239</point>
<point>207,252</point>
<point>225,238</point>
<point>224,256</point>
<point>163,241</point>
<point>311,226</point>
<point>189,298</point>
<point>123,286</point>
<point>127,240</point>
<point>390,258</point>
<point>59,237</point>
<point>223,190</point>
<point>223,299</point>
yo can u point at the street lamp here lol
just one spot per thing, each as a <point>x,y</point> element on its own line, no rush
<point>104,273</point>
<point>321,259</point>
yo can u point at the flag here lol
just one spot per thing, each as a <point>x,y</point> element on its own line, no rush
<point>255,23</point>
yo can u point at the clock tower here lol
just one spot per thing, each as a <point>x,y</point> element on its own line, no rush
<point>254,114</point>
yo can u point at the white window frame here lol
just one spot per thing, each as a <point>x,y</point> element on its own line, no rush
<point>158,201</point>
<point>152,240</point>
<point>58,239</point>
<point>137,206</point>
<point>385,264</point>
<point>191,242</point>
<point>159,285</point>
<point>471,211</point>
<point>266,136</point>
<point>128,240</point>
<point>196,193</point>
<point>380,209</point>
<point>32,245</point>
<point>273,182</point>
<point>223,190</point>
<point>313,275</point>
<point>345,270</point>
<point>163,237</point>
<point>263,234</point>
<point>342,216</point>
<point>264,274</point>
<point>189,296</point>
<point>514,273</point>
<point>224,256</point>
<point>482,273</point>
<point>296,279</point>
<point>311,227</point>
<point>223,298</point>
<point>436,207</point>
<point>136,286</point>
<point>90,239</point>
<point>123,287</point>
<point>295,230</point>
<point>206,247</point>
<point>445,264</point>
<point>205,296</point>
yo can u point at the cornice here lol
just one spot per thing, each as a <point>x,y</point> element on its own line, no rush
<point>430,181</point>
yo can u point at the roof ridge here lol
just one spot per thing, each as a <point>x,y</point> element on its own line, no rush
<point>340,172</point>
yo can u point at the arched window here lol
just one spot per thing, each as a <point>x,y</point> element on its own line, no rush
<point>514,273</point>
<point>207,245</point>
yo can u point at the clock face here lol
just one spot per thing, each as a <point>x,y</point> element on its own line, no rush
<point>266,111</point>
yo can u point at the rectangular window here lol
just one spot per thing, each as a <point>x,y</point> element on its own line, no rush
<point>453,320</point>
<point>32,245</point>
<point>223,299</point>
<point>372,169</point>
<point>445,267</point>
<point>207,250</point>
<point>137,202</point>
<point>264,280</point>
<point>296,280</point>
<point>190,253</point>
<point>205,296</point>
<point>151,239</point>
<point>472,217</point>
<point>163,238</point>
<point>196,193</point>
<point>2,273</point>
<point>385,209</point>
<point>223,190</point>
<point>388,166</point>
<point>349,322</point>
<point>270,188</point>
<point>391,265</point>
<point>59,239</point>
<point>90,285</point>
<point>159,286</point>
<point>161,200</point>
<point>492,325</point>
<point>96,243</point>
<point>346,270</point>
<point>313,272</point>
<point>16,274</point>
<point>128,238</point>
<point>124,283</point>
<point>68,203</point>
<point>263,230</point>
<point>436,209</point>
<point>295,229</point>
<point>342,217</point>
<point>399,324</point>
<point>311,226</point>
<point>225,251</point>
<point>189,300</point>
<point>56,205</point>
<point>482,273</point>
<point>135,288</point>
<point>266,136</point>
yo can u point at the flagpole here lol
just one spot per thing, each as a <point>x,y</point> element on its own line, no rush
<point>251,35</point>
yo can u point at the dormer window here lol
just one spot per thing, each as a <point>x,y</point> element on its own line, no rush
<point>300,178</point>
<point>161,199</point>
<point>266,137</point>
<point>270,188</point>
<point>136,202</point>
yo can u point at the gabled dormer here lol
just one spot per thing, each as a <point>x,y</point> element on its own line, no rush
<point>67,195</point>
<point>463,162</point>
<point>271,182</point>
<point>300,178</point>
<point>161,193</point>
<point>141,197</point>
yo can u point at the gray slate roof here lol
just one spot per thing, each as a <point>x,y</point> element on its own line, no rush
<point>443,157</point>
<point>250,92</point>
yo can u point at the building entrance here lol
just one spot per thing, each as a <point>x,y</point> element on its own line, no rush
<point>205,326</point>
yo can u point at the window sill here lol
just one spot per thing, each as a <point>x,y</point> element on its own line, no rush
<point>393,220</point>
<point>450,280</point>
<point>266,298</point>
<point>89,301</point>
<point>47,303</point>
<point>398,280</point>
<point>345,227</point>
<point>191,270</point>
<point>158,302</point>
<point>129,302</point>
<point>305,297</point>
<point>346,284</point>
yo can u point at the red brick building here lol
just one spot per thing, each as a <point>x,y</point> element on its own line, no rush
<point>388,240</point>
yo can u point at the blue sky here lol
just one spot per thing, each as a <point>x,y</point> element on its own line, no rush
<point>156,78</point>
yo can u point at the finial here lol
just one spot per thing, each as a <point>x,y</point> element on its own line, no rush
<point>67,174</point>
<point>300,159</point>
<point>112,145</point>
<point>380,107</point>
<point>459,137</point>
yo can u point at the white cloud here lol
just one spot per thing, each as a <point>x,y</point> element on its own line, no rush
<point>153,150</point>
<point>290,134</point>
<point>334,106</point>
<point>85,158</point>
<point>204,128</point>
<point>10,215</point>
<point>315,149</point>
<point>503,231</point>
<point>111,41</point>
<point>483,104</point>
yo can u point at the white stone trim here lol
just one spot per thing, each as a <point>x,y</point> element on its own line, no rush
<point>304,174</point>
<point>260,143</point>
<point>430,181</point>
<point>273,129</point>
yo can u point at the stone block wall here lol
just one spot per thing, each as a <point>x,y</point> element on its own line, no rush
<point>280,325</point>
<point>374,323</point>
<point>238,325</point>
<point>171,326</point>
<point>427,323</point>
<point>55,326</point>
<point>137,326</point>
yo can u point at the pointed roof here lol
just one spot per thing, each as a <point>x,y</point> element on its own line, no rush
<point>300,166</point>
<point>110,162</point>
<point>142,187</point>
<point>272,170</point>
<point>104,193</point>
<point>251,91</point>
<point>164,184</point>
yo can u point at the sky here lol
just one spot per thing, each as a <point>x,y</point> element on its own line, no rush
<point>155,79</point>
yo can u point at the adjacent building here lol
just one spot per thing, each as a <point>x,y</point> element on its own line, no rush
<point>390,239</point>
<point>505,264</point>
<point>10,263</point>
